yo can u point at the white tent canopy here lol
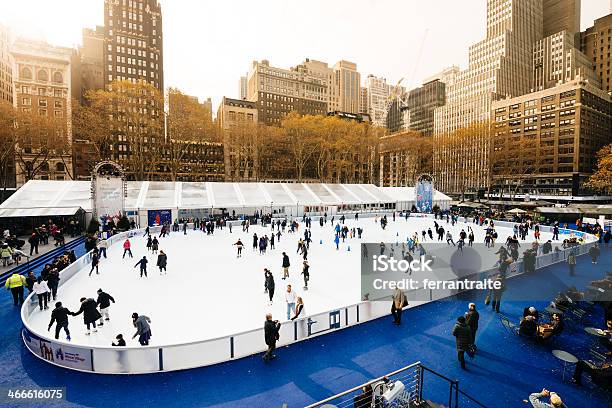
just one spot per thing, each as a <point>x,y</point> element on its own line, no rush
<point>64,197</point>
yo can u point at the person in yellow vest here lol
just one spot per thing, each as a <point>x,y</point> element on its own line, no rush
<point>15,284</point>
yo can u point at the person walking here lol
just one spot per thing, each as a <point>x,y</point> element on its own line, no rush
<point>41,289</point>
<point>269,283</point>
<point>594,253</point>
<point>143,266</point>
<point>15,284</point>
<point>103,302</point>
<point>162,261</point>
<point>471,318</point>
<point>127,246</point>
<point>290,300</point>
<point>463,338</point>
<point>89,309</point>
<point>571,262</point>
<point>496,294</point>
<point>34,240</point>
<point>59,316</point>
<point>398,302</point>
<point>143,328</point>
<point>285,266</point>
<point>271,336</point>
<point>95,261</point>
<point>6,253</point>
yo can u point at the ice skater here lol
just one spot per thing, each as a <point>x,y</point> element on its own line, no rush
<point>290,300</point>
<point>306,273</point>
<point>143,266</point>
<point>143,328</point>
<point>127,247</point>
<point>59,316</point>
<point>42,292</point>
<point>154,245</point>
<point>269,284</point>
<point>255,242</point>
<point>285,266</point>
<point>89,308</point>
<point>149,243</point>
<point>104,300</point>
<point>146,232</point>
<point>120,341</point>
<point>162,261</point>
<point>239,246</point>
<point>95,261</point>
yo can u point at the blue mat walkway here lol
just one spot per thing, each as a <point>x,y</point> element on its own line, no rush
<point>504,372</point>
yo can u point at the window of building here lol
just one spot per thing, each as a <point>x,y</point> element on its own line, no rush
<point>42,75</point>
<point>42,112</point>
<point>42,103</point>
<point>58,78</point>
<point>60,167</point>
<point>58,114</point>
<point>26,101</point>
<point>26,73</point>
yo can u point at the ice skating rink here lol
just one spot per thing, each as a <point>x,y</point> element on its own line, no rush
<point>208,292</point>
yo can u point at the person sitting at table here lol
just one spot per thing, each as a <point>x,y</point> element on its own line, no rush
<point>600,374</point>
<point>531,311</point>
<point>528,326</point>
<point>554,328</point>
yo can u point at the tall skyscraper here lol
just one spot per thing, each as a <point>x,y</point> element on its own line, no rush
<point>134,42</point>
<point>499,65</point>
<point>378,98</point>
<point>596,42</point>
<point>243,87</point>
<point>43,86</point>
<point>346,88</point>
<point>363,100</point>
<point>560,15</point>
<point>279,91</point>
<point>88,64</point>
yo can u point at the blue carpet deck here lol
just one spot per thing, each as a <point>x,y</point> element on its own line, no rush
<point>504,372</point>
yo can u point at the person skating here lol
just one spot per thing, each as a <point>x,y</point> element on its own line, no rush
<point>239,246</point>
<point>463,338</point>
<point>143,266</point>
<point>41,289</point>
<point>103,302</point>
<point>95,261</point>
<point>127,246</point>
<point>162,261</point>
<point>149,243</point>
<point>143,328</point>
<point>271,336</point>
<point>269,284</point>
<point>255,242</point>
<point>154,245</point>
<point>89,308</point>
<point>15,284</point>
<point>147,232</point>
<point>53,279</point>
<point>306,273</point>
<point>285,266</point>
<point>102,247</point>
<point>59,316</point>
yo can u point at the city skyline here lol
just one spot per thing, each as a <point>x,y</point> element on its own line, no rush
<point>404,47</point>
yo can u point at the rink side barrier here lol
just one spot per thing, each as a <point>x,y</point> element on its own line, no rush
<point>163,358</point>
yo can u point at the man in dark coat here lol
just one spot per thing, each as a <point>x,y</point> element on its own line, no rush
<point>471,318</point>
<point>162,261</point>
<point>104,300</point>
<point>89,308</point>
<point>463,337</point>
<point>59,316</point>
<point>271,328</point>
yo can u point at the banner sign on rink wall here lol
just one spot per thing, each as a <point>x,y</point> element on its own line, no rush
<point>59,354</point>
<point>424,194</point>
<point>108,191</point>
<point>159,217</point>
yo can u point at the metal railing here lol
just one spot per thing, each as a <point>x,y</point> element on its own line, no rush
<point>414,379</point>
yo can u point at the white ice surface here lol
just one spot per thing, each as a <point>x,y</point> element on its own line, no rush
<point>209,292</point>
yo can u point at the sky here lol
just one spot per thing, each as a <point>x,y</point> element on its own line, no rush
<point>208,44</point>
